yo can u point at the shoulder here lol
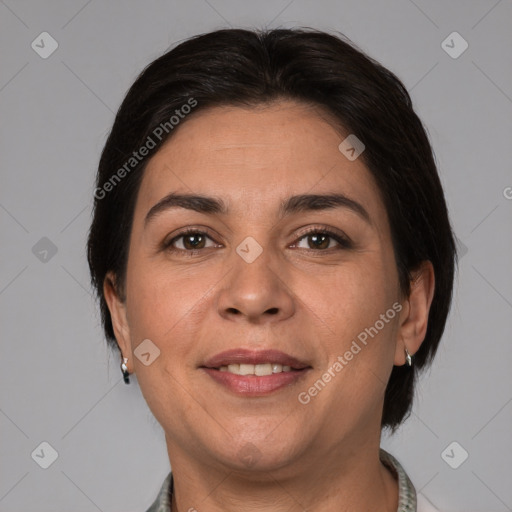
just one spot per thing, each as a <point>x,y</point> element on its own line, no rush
<point>408,499</point>
<point>162,502</point>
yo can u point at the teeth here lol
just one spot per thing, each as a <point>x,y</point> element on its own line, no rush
<point>255,369</point>
<point>277,368</point>
<point>262,369</point>
<point>234,368</point>
<point>246,369</point>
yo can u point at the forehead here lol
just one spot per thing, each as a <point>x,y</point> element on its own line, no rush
<point>255,156</point>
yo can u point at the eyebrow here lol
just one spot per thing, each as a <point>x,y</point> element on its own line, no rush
<point>289,206</point>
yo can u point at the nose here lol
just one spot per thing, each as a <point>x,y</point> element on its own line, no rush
<point>256,292</point>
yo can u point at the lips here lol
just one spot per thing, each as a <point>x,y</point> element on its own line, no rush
<point>245,356</point>
<point>255,373</point>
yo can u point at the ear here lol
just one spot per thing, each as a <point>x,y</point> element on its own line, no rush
<point>117,307</point>
<point>414,316</point>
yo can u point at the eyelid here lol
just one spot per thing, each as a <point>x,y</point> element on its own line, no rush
<point>326,229</point>
<point>195,230</point>
<point>339,236</point>
<point>343,240</point>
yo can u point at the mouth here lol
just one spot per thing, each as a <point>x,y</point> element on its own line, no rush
<point>255,373</point>
<point>259,370</point>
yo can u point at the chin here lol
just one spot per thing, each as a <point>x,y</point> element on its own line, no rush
<point>259,453</point>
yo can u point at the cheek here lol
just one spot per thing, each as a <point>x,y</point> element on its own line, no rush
<point>358,345</point>
<point>351,298</point>
<point>356,303</point>
<point>165,306</point>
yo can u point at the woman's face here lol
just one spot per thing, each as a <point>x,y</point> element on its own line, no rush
<point>261,275</point>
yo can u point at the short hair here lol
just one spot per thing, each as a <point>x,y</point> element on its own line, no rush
<point>235,67</point>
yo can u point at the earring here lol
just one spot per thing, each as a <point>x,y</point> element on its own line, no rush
<point>124,370</point>
<point>408,358</point>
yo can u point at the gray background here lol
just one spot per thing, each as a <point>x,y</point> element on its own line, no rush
<point>59,383</point>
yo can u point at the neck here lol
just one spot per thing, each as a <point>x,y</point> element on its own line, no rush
<point>342,480</point>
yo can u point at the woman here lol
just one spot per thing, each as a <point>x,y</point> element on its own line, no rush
<point>274,260</point>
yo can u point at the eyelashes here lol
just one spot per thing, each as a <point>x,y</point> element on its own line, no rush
<point>343,241</point>
<point>188,233</point>
<point>196,239</point>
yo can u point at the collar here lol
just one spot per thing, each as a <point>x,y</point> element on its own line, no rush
<point>406,490</point>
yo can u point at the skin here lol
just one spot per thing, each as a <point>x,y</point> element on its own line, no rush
<point>307,301</point>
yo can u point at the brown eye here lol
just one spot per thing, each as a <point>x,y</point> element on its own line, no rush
<point>323,239</point>
<point>193,241</point>
<point>189,241</point>
<point>319,241</point>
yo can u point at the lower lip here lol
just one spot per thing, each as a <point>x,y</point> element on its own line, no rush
<point>252,385</point>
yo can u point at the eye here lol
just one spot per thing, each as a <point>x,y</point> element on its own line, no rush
<point>321,239</point>
<point>190,240</point>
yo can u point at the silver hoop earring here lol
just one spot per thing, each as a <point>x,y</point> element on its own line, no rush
<point>124,370</point>
<point>408,358</point>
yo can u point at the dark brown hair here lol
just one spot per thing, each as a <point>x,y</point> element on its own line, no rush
<point>248,68</point>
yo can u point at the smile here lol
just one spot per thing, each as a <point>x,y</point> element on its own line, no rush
<point>259,370</point>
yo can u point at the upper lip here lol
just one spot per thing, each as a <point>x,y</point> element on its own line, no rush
<point>246,356</point>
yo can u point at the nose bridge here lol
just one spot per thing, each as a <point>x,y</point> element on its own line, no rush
<point>255,286</point>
